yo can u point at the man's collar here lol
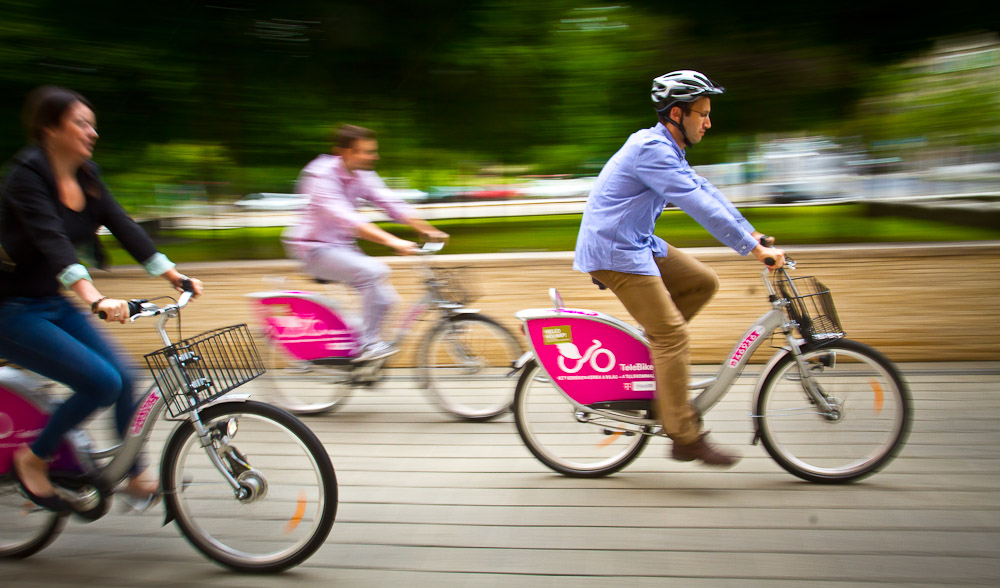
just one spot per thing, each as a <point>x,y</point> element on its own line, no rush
<point>341,169</point>
<point>662,128</point>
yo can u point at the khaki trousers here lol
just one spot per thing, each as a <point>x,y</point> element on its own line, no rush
<point>663,305</point>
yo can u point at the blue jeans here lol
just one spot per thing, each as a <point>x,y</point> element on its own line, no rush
<point>51,337</point>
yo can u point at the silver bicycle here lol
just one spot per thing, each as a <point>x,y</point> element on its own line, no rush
<point>826,408</point>
<point>465,361</point>
<point>248,484</point>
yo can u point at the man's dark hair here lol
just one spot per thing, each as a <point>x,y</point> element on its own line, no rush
<point>684,106</point>
<point>346,135</point>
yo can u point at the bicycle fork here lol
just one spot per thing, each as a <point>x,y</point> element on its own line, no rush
<point>215,441</point>
<point>811,388</point>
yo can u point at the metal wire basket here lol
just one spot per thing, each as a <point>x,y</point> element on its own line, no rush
<point>200,369</point>
<point>811,307</point>
<point>454,284</point>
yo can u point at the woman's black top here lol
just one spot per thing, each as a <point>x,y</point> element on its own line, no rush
<point>42,237</point>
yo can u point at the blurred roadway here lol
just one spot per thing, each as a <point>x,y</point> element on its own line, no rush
<point>426,501</point>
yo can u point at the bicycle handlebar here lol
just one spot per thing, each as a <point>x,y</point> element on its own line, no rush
<point>139,307</point>
<point>430,247</point>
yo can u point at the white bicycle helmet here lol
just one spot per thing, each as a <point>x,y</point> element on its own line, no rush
<point>685,85</point>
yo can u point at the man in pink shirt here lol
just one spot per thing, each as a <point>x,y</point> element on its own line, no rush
<point>325,239</point>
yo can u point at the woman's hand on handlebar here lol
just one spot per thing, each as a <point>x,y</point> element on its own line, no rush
<point>112,310</point>
<point>177,279</point>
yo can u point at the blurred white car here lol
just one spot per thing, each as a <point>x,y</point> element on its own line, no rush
<point>557,188</point>
<point>409,194</point>
<point>272,201</point>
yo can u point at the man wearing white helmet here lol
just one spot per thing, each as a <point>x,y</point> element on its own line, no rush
<point>661,287</point>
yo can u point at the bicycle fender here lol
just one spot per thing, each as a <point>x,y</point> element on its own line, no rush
<point>522,361</point>
<point>230,397</point>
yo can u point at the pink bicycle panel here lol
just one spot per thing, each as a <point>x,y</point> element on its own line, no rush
<point>21,422</point>
<point>307,329</point>
<point>592,361</point>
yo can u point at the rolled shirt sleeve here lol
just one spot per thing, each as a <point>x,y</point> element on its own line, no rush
<point>72,274</point>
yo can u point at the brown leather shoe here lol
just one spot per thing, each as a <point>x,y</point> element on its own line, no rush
<point>705,452</point>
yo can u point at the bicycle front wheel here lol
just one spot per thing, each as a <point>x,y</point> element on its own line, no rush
<point>571,442</point>
<point>467,365</point>
<point>865,427</point>
<point>25,529</point>
<point>304,387</point>
<point>286,500</point>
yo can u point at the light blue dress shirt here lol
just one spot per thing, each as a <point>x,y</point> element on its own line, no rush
<point>649,172</point>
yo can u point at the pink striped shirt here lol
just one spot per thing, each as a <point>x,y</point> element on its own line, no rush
<point>331,218</point>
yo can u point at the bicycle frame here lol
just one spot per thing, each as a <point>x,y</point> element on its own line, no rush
<point>627,381</point>
<point>77,455</point>
<point>316,328</point>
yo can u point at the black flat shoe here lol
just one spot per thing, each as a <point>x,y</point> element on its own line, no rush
<point>53,503</point>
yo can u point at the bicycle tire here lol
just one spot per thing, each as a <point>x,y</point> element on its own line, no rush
<point>25,529</point>
<point>467,366</point>
<point>548,424</point>
<point>293,499</point>
<point>302,387</point>
<point>866,429</point>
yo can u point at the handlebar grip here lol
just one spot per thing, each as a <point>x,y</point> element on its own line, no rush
<point>187,285</point>
<point>767,240</point>
<point>769,261</point>
<point>134,308</point>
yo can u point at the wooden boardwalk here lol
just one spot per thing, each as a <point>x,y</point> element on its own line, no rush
<point>428,501</point>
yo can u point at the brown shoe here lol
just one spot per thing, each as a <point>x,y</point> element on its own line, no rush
<point>705,452</point>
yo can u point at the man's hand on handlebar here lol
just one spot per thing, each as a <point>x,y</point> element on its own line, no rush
<point>435,236</point>
<point>402,246</point>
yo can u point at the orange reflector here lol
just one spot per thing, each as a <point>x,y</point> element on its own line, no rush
<point>300,511</point>
<point>879,397</point>
<point>610,439</point>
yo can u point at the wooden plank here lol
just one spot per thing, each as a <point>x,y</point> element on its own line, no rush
<point>430,501</point>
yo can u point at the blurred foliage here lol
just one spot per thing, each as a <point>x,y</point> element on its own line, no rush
<point>240,94</point>
<point>948,99</point>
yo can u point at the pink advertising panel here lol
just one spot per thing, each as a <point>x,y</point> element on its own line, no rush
<point>307,329</point>
<point>590,360</point>
<point>21,422</point>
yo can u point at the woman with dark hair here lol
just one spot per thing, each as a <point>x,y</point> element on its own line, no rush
<point>51,204</point>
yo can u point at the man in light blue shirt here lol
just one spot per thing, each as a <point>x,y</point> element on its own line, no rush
<point>661,287</point>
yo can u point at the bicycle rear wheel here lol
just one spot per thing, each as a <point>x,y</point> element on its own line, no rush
<point>467,364</point>
<point>571,443</point>
<point>303,387</point>
<point>866,427</point>
<point>25,529</point>
<point>287,500</point>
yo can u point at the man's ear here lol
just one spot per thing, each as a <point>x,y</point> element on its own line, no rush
<point>678,111</point>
